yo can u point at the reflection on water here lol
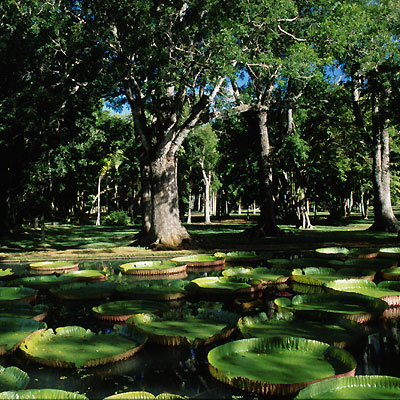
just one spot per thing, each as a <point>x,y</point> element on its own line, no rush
<point>183,371</point>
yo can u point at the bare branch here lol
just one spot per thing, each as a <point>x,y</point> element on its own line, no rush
<point>289,34</point>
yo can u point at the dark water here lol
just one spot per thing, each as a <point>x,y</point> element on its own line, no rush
<point>178,370</point>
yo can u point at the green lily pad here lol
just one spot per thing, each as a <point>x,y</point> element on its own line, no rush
<point>41,394</point>
<point>336,331</point>
<point>354,306</point>
<point>118,311</point>
<point>17,295</point>
<point>307,289</point>
<point>235,257</point>
<point>187,329</point>
<point>363,252</point>
<point>222,285</point>
<point>319,276</point>
<point>76,347</point>
<point>306,262</point>
<point>42,281</point>
<point>84,290</point>
<point>368,288</point>
<point>265,275</point>
<point>390,252</point>
<point>5,273</point>
<point>391,274</point>
<point>52,267</point>
<point>152,268</point>
<point>13,378</point>
<point>280,263</point>
<point>353,387</point>
<point>338,253</point>
<point>278,366</point>
<point>164,290</point>
<point>37,312</point>
<point>200,260</point>
<point>14,330</point>
<point>145,396</point>
<point>84,275</point>
<point>377,264</point>
<point>392,285</point>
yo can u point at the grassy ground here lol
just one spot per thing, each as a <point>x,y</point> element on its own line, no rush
<point>66,241</point>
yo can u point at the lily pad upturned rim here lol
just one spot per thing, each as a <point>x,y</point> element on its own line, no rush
<point>17,294</point>
<point>221,285</point>
<point>265,275</point>
<point>159,267</point>
<point>391,274</point>
<point>239,256</point>
<point>54,266</point>
<point>315,329</point>
<point>37,312</point>
<point>31,347</point>
<point>365,287</point>
<point>374,307</point>
<point>366,382</point>
<point>13,378</point>
<point>41,394</point>
<point>200,260</point>
<point>145,396</point>
<point>184,337</point>
<point>224,373</point>
<point>333,252</point>
<point>119,311</point>
<point>314,275</point>
<point>15,331</point>
<point>390,252</point>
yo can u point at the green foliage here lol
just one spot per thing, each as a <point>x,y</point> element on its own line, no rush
<point>117,218</point>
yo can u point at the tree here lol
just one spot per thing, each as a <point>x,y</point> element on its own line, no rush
<point>164,58</point>
<point>367,47</point>
<point>203,144</point>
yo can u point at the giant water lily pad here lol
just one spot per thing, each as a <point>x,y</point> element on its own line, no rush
<point>14,330</point>
<point>118,311</point>
<point>145,396</point>
<point>305,262</point>
<point>354,306</point>
<point>153,268</point>
<point>84,290</point>
<point>278,366</point>
<point>353,387</point>
<point>76,347</point>
<point>176,329</point>
<point>319,276</point>
<point>17,295</point>
<point>265,275</point>
<point>222,285</point>
<point>390,252</point>
<point>336,331</point>
<point>368,288</point>
<point>376,264</point>
<point>6,273</point>
<point>164,290</point>
<point>280,263</point>
<point>391,274</point>
<point>37,312</point>
<point>200,260</point>
<point>13,378</point>
<point>41,394</point>
<point>240,257</point>
<point>363,252</point>
<point>86,275</point>
<point>337,253</point>
<point>53,267</point>
<point>42,281</point>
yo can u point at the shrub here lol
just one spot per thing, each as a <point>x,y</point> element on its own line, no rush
<point>117,218</point>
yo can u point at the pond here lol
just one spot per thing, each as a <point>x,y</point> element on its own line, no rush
<point>179,370</point>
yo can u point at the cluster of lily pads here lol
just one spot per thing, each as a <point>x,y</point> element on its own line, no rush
<point>322,306</point>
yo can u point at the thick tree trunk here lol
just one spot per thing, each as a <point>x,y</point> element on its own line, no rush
<point>384,218</point>
<point>166,226</point>
<point>267,223</point>
<point>146,207</point>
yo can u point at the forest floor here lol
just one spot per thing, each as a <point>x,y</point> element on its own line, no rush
<point>90,242</point>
